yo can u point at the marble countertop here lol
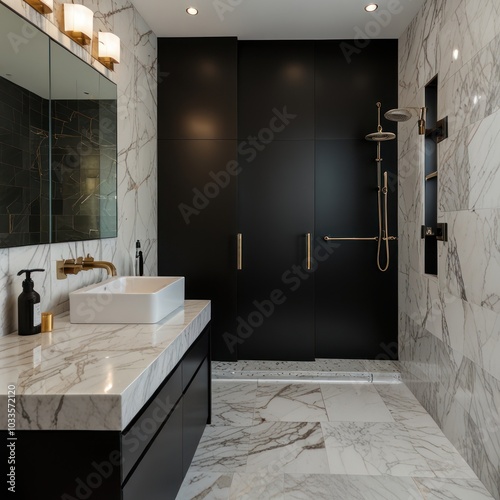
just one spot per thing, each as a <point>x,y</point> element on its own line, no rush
<point>93,377</point>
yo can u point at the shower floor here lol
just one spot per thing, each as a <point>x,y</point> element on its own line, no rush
<point>285,430</point>
<point>342,370</point>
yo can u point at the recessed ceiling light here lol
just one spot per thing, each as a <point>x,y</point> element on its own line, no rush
<point>192,11</point>
<point>371,7</point>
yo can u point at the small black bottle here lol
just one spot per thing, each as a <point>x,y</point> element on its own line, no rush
<point>29,315</point>
<point>139,260</point>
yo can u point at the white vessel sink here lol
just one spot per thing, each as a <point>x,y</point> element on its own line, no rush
<point>127,299</point>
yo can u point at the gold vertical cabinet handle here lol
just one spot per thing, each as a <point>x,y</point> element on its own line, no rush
<point>308,250</point>
<point>239,251</point>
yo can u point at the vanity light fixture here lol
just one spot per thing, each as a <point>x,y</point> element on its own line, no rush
<point>109,49</point>
<point>192,11</point>
<point>42,6</point>
<point>78,22</point>
<point>371,7</point>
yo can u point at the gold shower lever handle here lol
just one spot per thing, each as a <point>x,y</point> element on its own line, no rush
<point>308,251</point>
<point>239,251</point>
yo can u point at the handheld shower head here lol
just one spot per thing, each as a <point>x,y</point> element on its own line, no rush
<point>404,114</point>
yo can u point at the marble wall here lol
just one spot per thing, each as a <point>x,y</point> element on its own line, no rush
<point>449,337</point>
<point>135,77</point>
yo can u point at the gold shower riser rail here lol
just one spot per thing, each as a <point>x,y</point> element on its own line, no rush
<point>373,238</point>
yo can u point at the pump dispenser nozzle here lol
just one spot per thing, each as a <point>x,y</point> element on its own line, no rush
<point>28,282</point>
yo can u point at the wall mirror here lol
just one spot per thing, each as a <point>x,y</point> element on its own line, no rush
<point>57,141</point>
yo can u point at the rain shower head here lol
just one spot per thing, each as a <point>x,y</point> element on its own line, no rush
<point>404,114</point>
<point>398,115</point>
<point>380,135</point>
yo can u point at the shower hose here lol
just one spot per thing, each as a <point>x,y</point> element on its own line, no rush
<point>383,227</point>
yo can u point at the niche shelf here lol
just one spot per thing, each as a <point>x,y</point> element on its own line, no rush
<point>435,132</point>
<point>431,177</point>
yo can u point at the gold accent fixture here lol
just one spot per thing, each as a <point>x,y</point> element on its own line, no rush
<point>373,238</point>
<point>308,250</point>
<point>42,6</point>
<point>328,238</point>
<point>239,251</point>
<point>108,49</point>
<point>47,322</point>
<point>78,23</point>
<point>74,266</point>
<point>68,266</point>
<point>404,114</point>
<point>431,175</point>
<point>90,263</point>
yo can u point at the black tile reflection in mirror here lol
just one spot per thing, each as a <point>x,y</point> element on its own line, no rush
<point>24,166</point>
<point>83,169</point>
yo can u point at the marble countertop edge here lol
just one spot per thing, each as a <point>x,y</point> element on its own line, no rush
<point>80,386</point>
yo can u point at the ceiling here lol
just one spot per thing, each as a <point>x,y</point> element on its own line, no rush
<point>278,19</point>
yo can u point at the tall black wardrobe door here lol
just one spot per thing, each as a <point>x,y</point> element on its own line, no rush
<point>197,227</point>
<point>275,289</point>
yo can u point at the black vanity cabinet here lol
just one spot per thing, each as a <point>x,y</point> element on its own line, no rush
<point>147,461</point>
<point>175,419</point>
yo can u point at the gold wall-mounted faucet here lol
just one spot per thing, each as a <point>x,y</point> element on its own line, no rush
<point>74,266</point>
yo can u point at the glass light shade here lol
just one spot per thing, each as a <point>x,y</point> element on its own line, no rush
<point>78,22</point>
<point>109,48</point>
<point>42,6</point>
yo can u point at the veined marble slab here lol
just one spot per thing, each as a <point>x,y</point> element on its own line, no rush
<point>93,377</point>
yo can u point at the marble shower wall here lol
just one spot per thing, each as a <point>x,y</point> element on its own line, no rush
<point>135,77</point>
<point>450,324</point>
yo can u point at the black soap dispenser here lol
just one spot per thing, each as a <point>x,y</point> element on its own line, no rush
<point>29,314</point>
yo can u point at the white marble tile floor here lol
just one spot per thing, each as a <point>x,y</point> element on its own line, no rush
<point>307,439</point>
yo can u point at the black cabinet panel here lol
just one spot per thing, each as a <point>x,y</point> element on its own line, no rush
<point>197,226</point>
<point>159,474</point>
<point>151,418</point>
<point>348,83</point>
<point>194,357</point>
<point>197,88</point>
<point>356,304</point>
<point>196,413</point>
<point>275,291</point>
<point>275,90</point>
<point>64,464</point>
